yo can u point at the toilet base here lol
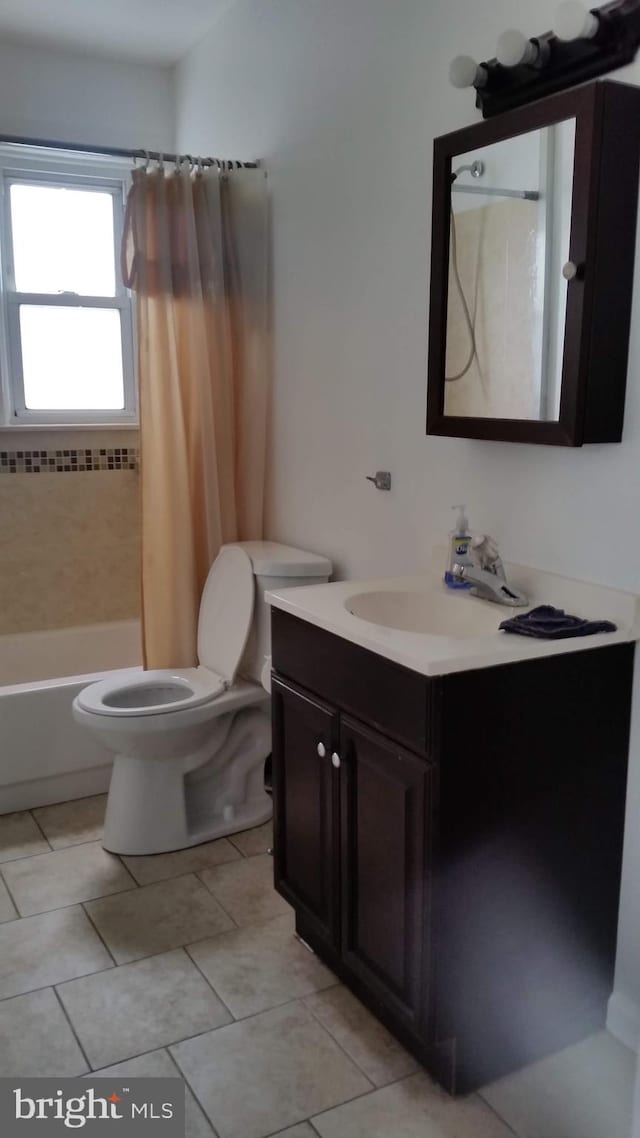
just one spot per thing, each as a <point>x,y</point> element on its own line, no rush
<point>251,814</point>
<point>162,805</point>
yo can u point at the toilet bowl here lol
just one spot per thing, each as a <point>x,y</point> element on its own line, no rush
<point>190,743</point>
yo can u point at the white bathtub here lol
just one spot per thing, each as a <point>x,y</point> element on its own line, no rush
<point>44,756</point>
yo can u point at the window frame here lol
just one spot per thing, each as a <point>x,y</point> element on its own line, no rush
<point>19,164</point>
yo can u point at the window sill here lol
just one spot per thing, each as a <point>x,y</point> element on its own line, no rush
<point>55,437</point>
<point>36,428</point>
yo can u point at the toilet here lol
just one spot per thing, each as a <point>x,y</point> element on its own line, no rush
<point>190,743</point>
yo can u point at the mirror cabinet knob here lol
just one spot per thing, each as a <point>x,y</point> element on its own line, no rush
<point>571,271</point>
<point>322,750</point>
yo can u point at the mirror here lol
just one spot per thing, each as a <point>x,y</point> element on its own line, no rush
<point>533,241</point>
<point>509,241</point>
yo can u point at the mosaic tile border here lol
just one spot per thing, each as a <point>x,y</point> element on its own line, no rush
<point>68,461</point>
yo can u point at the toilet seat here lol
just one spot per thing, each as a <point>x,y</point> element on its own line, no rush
<point>226,612</point>
<point>155,693</point>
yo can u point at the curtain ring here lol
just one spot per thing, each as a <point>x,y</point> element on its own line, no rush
<point>161,162</point>
<point>147,159</point>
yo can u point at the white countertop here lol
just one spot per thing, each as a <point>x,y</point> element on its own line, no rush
<point>480,647</point>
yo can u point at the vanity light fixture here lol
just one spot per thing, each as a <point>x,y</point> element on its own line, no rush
<point>584,44</point>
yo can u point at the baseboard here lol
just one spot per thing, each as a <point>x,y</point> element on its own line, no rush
<point>57,788</point>
<point>623,1020</point>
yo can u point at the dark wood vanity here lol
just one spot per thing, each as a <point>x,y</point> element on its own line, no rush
<point>452,845</point>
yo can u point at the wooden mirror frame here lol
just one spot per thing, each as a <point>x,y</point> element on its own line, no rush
<point>602,244</point>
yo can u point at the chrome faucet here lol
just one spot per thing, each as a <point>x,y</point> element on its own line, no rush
<point>487,575</point>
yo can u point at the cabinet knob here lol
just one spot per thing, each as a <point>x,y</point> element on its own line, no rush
<point>335,759</point>
<point>571,271</point>
<point>322,750</point>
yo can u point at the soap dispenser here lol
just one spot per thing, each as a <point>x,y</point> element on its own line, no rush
<point>459,552</point>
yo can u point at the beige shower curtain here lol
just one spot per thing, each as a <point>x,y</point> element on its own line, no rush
<point>195,252</point>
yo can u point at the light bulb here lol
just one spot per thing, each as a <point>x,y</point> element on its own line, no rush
<point>514,48</point>
<point>575,22</point>
<point>465,72</point>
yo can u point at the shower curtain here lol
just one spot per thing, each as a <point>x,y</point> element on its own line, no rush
<point>195,253</point>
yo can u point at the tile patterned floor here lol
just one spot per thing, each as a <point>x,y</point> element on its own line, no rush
<point>187,963</point>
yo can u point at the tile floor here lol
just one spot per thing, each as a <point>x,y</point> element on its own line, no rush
<point>186,963</point>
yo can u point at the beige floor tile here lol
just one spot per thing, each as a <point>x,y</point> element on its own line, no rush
<point>159,867</point>
<point>301,1131</point>
<point>20,837</point>
<point>363,1037</point>
<point>70,823</point>
<point>156,918</point>
<point>7,907</point>
<point>245,889</point>
<point>139,1007</point>
<point>159,1065</point>
<point>413,1108</point>
<point>585,1091</point>
<point>260,966</point>
<point>48,949</point>
<point>266,1073</point>
<point>35,1038</point>
<point>65,877</point>
<point>256,841</point>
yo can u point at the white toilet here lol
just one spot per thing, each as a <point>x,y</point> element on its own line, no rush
<point>190,744</point>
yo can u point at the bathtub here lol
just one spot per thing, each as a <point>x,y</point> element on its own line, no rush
<point>44,756</point>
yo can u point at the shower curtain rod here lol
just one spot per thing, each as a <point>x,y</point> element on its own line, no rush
<point>117,152</point>
<point>528,195</point>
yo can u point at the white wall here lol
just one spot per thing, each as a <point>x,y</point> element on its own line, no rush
<point>342,99</point>
<point>71,97</point>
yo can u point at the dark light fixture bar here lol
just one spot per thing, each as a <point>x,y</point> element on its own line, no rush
<point>120,152</point>
<point>585,44</point>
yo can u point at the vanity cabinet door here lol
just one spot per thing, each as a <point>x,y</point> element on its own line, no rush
<point>305,807</point>
<point>386,796</point>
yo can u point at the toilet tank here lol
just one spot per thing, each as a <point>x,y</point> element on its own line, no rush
<point>275,566</point>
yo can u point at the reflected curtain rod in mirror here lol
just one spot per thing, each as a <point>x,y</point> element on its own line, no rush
<point>477,170</point>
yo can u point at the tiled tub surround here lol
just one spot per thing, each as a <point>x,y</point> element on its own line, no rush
<point>498,264</point>
<point>68,461</point>
<point>187,964</point>
<point>70,549</point>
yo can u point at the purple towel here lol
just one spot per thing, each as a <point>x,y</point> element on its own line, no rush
<point>547,623</point>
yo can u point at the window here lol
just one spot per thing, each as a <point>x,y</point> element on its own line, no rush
<point>67,318</point>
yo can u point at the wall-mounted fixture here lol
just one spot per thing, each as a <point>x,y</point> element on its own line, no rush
<point>583,44</point>
<point>381,479</point>
<point>534,219</point>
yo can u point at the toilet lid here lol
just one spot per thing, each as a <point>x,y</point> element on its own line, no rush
<point>226,611</point>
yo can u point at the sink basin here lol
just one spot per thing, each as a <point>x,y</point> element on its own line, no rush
<point>436,613</point>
